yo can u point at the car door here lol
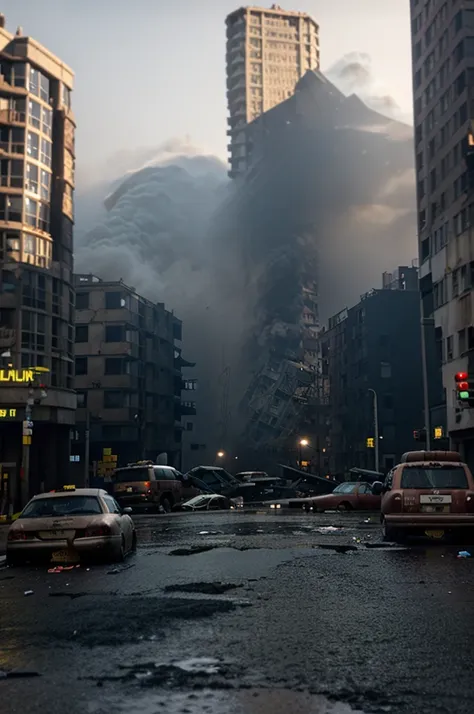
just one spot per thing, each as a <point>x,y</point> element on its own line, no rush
<point>365,497</point>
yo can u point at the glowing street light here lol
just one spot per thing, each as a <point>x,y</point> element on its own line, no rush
<point>304,442</point>
<point>220,454</point>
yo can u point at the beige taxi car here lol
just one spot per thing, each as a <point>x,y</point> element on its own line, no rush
<point>66,525</point>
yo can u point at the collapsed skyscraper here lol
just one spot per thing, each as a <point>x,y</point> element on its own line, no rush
<point>326,200</point>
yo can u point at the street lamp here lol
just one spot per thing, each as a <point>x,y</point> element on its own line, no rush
<point>220,454</point>
<point>303,443</point>
<point>376,425</point>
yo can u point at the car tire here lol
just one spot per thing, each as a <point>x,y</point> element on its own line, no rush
<point>120,554</point>
<point>391,535</point>
<point>345,506</point>
<point>166,504</point>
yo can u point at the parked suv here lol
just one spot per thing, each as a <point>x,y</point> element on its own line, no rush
<point>146,483</point>
<point>429,493</point>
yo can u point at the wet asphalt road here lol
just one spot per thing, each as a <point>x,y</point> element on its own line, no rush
<point>275,617</point>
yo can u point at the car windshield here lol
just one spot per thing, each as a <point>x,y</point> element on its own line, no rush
<point>134,474</point>
<point>442,477</point>
<point>345,488</point>
<point>62,506</point>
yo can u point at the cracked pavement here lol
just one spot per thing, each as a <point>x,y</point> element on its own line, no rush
<point>233,613</point>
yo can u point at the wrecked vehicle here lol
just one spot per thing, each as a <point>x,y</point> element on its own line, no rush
<point>359,496</point>
<point>209,502</point>
<point>65,525</point>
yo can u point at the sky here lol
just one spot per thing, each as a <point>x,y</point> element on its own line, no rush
<point>151,70</point>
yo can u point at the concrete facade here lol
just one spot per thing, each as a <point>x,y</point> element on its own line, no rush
<point>443,85</point>
<point>268,51</point>
<point>37,158</point>
<point>129,378</point>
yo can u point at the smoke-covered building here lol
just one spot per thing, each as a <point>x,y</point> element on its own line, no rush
<point>320,165</point>
<point>374,345</point>
<point>129,377</point>
<point>37,130</point>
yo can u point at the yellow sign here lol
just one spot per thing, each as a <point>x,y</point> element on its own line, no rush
<point>20,376</point>
<point>107,452</point>
<point>69,487</point>
<point>26,440</point>
<point>371,443</point>
<point>4,413</point>
<point>438,432</point>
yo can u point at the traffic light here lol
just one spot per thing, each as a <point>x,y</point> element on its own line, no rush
<point>464,395</point>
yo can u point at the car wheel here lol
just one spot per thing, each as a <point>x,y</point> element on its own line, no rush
<point>166,504</point>
<point>391,535</point>
<point>120,554</point>
<point>344,506</point>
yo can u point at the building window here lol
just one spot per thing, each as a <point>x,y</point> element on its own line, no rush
<point>449,348</point>
<point>385,370</point>
<point>115,399</point>
<point>114,365</point>
<point>34,114</point>
<point>32,178</point>
<point>82,301</point>
<point>82,333</point>
<point>387,401</point>
<point>81,399</point>
<point>46,152</point>
<point>43,217</point>
<point>11,208</point>
<point>114,301</point>
<point>114,333</point>
<point>81,366</point>
<point>33,145</point>
<point>47,121</point>
<point>461,342</point>
<point>455,280</point>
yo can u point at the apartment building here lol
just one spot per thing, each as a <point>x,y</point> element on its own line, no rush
<point>37,159</point>
<point>443,85</point>
<point>129,380</point>
<point>268,51</point>
<point>374,346</point>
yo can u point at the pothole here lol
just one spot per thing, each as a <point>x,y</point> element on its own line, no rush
<point>215,588</point>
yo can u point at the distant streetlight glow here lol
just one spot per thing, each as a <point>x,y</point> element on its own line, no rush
<point>304,442</point>
<point>220,454</point>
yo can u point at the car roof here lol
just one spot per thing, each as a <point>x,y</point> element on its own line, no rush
<point>72,492</point>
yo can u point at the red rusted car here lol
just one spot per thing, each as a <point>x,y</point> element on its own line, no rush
<point>430,493</point>
<point>348,496</point>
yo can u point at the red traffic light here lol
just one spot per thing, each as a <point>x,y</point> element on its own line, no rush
<point>461,377</point>
<point>463,386</point>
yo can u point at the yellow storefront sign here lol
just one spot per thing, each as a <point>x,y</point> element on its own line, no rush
<point>20,376</point>
<point>5,413</point>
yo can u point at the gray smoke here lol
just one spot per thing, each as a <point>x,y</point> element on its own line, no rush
<point>334,189</point>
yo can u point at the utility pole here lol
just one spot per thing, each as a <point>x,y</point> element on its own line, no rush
<point>87,441</point>
<point>425,322</point>
<point>376,425</point>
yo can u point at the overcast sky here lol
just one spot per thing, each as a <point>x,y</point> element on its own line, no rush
<point>149,70</point>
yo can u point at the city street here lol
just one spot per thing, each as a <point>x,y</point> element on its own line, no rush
<point>244,613</point>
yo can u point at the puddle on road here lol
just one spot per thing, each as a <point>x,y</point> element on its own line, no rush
<point>247,701</point>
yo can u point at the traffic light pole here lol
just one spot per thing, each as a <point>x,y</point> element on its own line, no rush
<point>376,426</point>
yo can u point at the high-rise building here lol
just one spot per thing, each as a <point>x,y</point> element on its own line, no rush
<point>268,51</point>
<point>36,255</point>
<point>128,378</point>
<point>443,86</point>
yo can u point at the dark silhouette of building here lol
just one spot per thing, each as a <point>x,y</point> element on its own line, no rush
<point>128,377</point>
<point>374,345</point>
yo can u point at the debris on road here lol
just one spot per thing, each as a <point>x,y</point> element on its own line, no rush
<point>18,674</point>
<point>216,588</point>
<point>328,529</point>
<point>464,554</point>
<point>338,548</point>
<point>193,550</point>
<point>28,592</point>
